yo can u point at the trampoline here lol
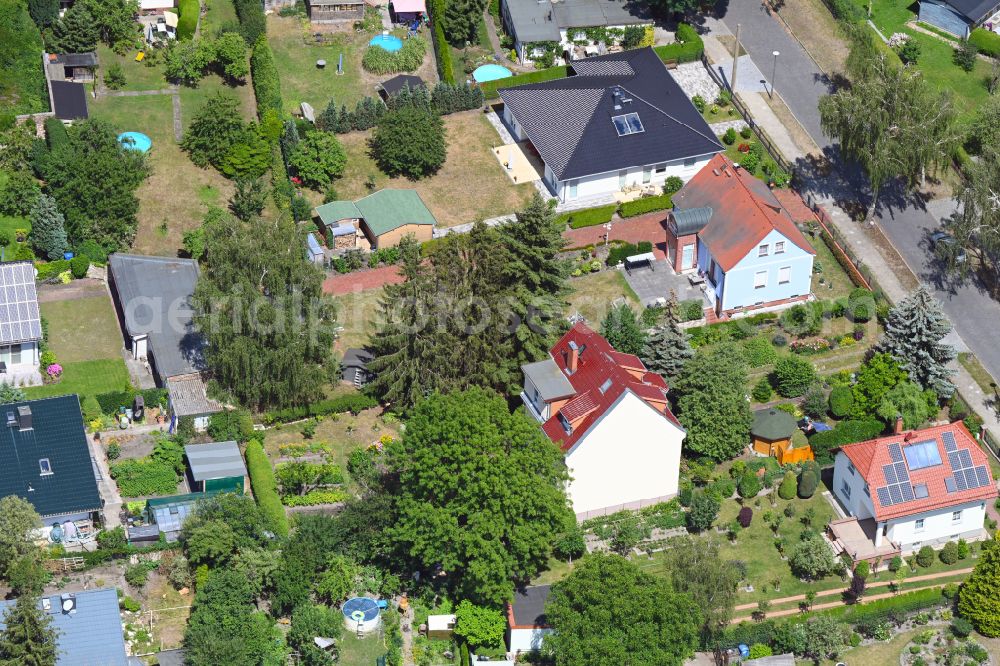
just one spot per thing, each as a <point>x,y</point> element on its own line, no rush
<point>135,141</point>
<point>388,42</point>
<point>490,72</point>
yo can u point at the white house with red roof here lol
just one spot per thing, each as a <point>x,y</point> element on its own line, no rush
<point>909,490</point>
<point>610,416</point>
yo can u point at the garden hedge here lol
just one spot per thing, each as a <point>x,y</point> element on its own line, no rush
<point>187,21</point>
<point>112,401</point>
<point>986,41</point>
<point>644,205</point>
<point>264,490</point>
<point>688,48</point>
<point>266,85</point>
<point>490,87</point>
<point>352,402</point>
<point>441,48</point>
<point>253,24</point>
<point>588,217</point>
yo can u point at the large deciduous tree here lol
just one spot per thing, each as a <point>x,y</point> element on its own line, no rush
<point>913,333</point>
<point>889,120</point>
<point>318,159</point>
<point>976,225</point>
<point>215,128</point>
<point>263,312</point>
<point>93,178</point>
<point>667,348</point>
<point>657,627</point>
<point>409,142</point>
<point>712,404</point>
<point>480,493</point>
<point>17,519</point>
<point>697,570</point>
<point>28,638</point>
<point>979,596</point>
<point>48,228</point>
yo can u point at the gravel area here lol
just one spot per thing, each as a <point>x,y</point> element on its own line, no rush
<point>720,128</point>
<point>694,79</point>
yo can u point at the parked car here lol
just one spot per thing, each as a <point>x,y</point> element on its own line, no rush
<point>945,246</point>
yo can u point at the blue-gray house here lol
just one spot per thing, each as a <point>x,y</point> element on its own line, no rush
<point>729,227</point>
<point>961,16</point>
<point>89,627</point>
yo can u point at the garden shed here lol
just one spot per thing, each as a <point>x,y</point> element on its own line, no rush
<point>775,433</point>
<point>217,466</point>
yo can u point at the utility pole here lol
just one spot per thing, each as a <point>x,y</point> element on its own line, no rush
<point>736,59</point>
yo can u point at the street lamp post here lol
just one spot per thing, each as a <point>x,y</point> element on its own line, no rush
<point>774,71</point>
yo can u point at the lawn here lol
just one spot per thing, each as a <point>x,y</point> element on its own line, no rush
<point>979,374</point>
<point>301,80</point>
<point>358,313</point>
<point>138,75</point>
<point>836,283</point>
<point>91,319</point>
<point>593,293</point>
<point>354,651</point>
<point>11,225</point>
<point>171,200</point>
<point>217,13</point>
<point>876,654</point>
<point>85,378</point>
<point>470,186</point>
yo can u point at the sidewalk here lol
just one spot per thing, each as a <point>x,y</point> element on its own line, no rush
<point>858,238</point>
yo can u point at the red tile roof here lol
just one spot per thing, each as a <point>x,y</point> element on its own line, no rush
<point>869,457</point>
<point>602,376</point>
<point>744,211</point>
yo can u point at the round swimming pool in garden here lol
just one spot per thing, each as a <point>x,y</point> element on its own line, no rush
<point>361,614</point>
<point>490,72</point>
<point>388,42</point>
<point>135,141</point>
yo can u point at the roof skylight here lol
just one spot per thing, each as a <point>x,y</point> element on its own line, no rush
<point>628,123</point>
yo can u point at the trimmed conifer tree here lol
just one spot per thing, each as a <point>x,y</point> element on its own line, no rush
<point>667,348</point>
<point>28,638</point>
<point>979,596</point>
<point>913,334</point>
<point>48,228</point>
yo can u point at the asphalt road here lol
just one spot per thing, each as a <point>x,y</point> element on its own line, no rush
<point>905,219</point>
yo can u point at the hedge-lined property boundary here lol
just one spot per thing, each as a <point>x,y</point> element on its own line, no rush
<point>645,205</point>
<point>187,21</point>
<point>442,50</point>
<point>264,488</point>
<point>352,402</point>
<point>589,217</point>
<point>987,42</point>
<point>266,85</point>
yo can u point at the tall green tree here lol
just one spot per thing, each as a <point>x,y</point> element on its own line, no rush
<point>697,569</point>
<point>875,378</point>
<point>216,127</point>
<point>263,313</point>
<point>914,330</point>
<point>48,228</point>
<point>890,121</point>
<point>712,403</point>
<point>18,519</point>
<point>76,31</point>
<point>249,199</point>
<point>538,278</point>
<point>93,179</point>
<point>461,20</point>
<point>308,622</point>
<point>115,21</point>
<point>44,12</point>
<point>979,596</point>
<point>28,639</point>
<point>658,627</point>
<point>231,55</point>
<point>409,142</point>
<point>480,493</point>
<point>976,225</point>
<point>622,330</point>
<point>318,159</point>
<point>667,348</point>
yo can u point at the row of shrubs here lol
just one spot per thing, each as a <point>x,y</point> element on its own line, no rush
<point>316,497</point>
<point>590,217</point>
<point>444,99</point>
<point>442,50</point>
<point>187,21</point>
<point>620,251</point>
<point>77,267</point>
<point>407,59</point>
<point>689,46</point>
<point>264,489</point>
<point>253,23</point>
<point>351,402</point>
<point>645,205</point>
<point>266,85</point>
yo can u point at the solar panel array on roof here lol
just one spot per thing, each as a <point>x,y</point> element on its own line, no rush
<point>922,454</point>
<point>966,476</point>
<point>949,441</point>
<point>897,488</point>
<point>19,317</point>
<point>895,453</point>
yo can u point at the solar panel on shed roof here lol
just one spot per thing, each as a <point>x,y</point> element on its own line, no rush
<point>19,316</point>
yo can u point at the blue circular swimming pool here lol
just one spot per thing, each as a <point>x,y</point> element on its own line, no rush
<point>135,141</point>
<point>387,42</point>
<point>490,72</point>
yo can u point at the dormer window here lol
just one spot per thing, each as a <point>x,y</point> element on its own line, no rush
<point>45,468</point>
<point>565,424</point>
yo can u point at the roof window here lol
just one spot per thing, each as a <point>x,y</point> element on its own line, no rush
<point>605,386</point>
<point>44,467</point>
<point>628,123</point>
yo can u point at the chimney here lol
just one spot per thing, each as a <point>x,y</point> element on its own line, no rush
<point>574,357</point>
<point>898,427</point>
<point>24,417</point>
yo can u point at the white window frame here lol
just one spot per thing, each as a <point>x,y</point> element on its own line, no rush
<point>956,516</point>
<point>779,247</point>
<point>757,283</point>
<point>788,275</point>
<point>763,250</point>
<point>45,467</point>
<point>918,525</point>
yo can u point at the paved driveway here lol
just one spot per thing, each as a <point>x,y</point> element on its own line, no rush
<point>905,220</point>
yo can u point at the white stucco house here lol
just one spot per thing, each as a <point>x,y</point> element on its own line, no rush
<point>619,122</point>
<point>909,490</point>
<point>610,417</point>
<point>20,325</point>
<point>526,623</point>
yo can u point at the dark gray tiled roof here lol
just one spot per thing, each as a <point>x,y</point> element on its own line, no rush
<point>548,379</point>
<point>974,10</point>
<point>569,120</point>
<point>90,636</point>
<point>86,59</point>
<point>541,20</point>
<point>57,434</point>
<point>396,84</point>
<point>529,606</point>
<point>155,295</point>
<point>19,318</point>
<point>216,460</point>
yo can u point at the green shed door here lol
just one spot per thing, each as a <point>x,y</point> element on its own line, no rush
<point>227,484</point>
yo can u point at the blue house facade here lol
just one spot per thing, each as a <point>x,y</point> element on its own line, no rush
<point>959,17</point>
<point>732,229</point>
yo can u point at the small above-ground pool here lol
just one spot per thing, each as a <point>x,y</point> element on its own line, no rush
<point>135,141</point>
<point>490,72</point>
<point>388,42</point>
<point>361,614</point>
